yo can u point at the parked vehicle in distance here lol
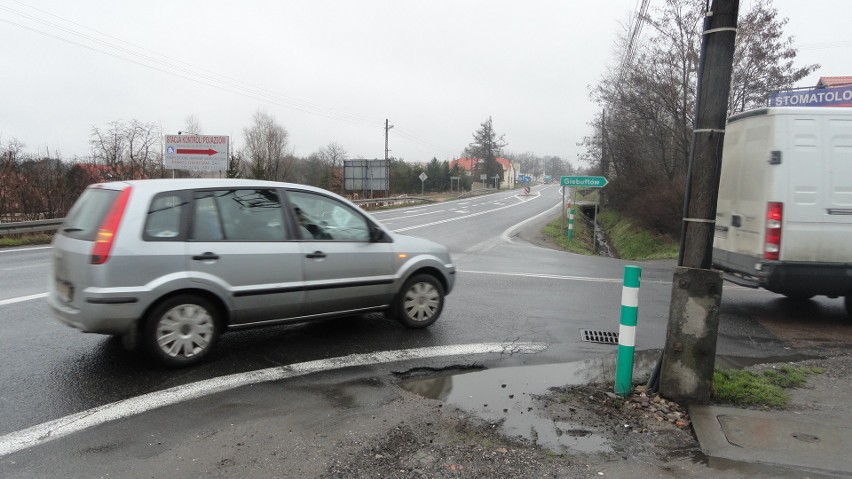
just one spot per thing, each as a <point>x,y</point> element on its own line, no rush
<point>171,264</point>
<point>784,212</point>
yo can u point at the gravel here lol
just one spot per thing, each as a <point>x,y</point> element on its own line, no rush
<point>645,435</point>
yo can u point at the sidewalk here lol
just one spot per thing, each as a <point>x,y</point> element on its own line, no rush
<point>813,435</point>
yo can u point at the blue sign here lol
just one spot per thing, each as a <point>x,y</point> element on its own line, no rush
<point>841,96</point>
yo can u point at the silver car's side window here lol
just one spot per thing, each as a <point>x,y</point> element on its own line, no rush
<point>165,217</point>
<point>238,215</point>
<point>324,218</point>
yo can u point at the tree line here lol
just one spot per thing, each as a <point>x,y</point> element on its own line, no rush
<point>44,184</point>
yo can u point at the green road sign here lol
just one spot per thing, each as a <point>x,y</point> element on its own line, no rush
<point>586,181</point>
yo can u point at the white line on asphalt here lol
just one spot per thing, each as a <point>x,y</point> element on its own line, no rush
<point>19,299</point>
<point>549,276</point>
<point>408,228</point>
<point>26,266</point>
<point>48,431</point>
<point>418,214</point>
<point>507,235</point>
<point>23,249</point>
<point>593,280</point>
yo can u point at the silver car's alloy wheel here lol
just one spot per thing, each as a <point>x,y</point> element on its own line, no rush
<point>185,331</point>
<point>422,301</point>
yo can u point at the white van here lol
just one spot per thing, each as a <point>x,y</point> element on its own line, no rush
<point>784,212</point>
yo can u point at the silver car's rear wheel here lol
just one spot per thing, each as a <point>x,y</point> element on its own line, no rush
<point>420,302</point>
<point>181,330</point>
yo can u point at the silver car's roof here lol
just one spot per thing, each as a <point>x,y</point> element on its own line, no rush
<point>169,184</point>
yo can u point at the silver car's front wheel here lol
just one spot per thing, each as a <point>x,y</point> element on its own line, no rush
<point>181,330</point>
<point>421,301</point>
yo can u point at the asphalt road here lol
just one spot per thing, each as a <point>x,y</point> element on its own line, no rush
<point>508,290</point>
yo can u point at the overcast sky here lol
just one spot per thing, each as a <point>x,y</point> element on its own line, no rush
<point>334,70</point>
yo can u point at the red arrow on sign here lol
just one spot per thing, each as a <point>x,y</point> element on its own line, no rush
<point>187,151</point>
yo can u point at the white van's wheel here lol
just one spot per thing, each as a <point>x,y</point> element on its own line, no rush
<point>181,331</point>
<point>420,302</point>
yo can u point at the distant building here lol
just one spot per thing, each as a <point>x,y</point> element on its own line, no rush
<point>509,170</point>
<point>831,82</point>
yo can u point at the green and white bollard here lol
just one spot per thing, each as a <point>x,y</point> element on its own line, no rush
<point>627,331</point>
<point>570,222</point>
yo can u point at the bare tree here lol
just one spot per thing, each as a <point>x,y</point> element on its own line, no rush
<point>644,137</point>
<point>127,150</point>
<point>191,125</point>
<point>763,59</point>
<point>333,155</point>
<point>265,149</point>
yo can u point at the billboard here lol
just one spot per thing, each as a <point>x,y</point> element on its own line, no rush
<point>196,152</point>
<point>366,175</point>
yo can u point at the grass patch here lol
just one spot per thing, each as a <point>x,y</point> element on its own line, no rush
<point>24,240</point>
<point>789,376</point>
<point>747,388</point>
<point>582,240</point>
<point>633,243</point>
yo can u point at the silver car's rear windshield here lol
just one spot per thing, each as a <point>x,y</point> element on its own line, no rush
<point>87,214</point>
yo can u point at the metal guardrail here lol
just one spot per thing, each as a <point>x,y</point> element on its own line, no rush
<point>38,226</point>
<point>23,227</point>
<point>395,199</point>
<point>481,191</point>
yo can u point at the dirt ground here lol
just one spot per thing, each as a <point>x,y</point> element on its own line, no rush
<point>643,436</point>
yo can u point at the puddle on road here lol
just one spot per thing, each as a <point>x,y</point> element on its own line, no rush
<point>505,396</point>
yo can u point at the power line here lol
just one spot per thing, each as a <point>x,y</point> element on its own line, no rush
<point>179,64</point>
<point>186,71</point>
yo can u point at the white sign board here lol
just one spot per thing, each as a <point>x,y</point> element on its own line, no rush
<point>196,152</point>
<point>423,177</point>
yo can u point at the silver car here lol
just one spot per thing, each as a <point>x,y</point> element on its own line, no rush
<point>170,264</point>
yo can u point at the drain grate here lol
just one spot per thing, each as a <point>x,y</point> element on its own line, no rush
<point>605,337</point>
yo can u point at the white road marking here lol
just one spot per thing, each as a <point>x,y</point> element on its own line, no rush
<point>551,276</point>
<point>595,280</point>
<point>507,234</point>
<point>23,249</point>
<point>418,214</point>
<point>26,266</point>
<point>409,228</point>
<point>20,299</point>
<point>48,431</point>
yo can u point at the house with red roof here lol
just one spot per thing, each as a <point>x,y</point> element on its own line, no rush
<point>509,169</point>
<point>831,82</point>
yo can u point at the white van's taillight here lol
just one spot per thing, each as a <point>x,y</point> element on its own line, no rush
<point>109,228</point>
<point>774,219</point>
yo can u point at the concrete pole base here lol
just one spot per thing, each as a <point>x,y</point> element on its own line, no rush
<point>690,351</point>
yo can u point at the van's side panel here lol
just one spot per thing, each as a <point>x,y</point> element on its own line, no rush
<point>756,181</point>
<point>804,158</point>
<point>836,238</point>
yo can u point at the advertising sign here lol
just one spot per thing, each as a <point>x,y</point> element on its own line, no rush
<point>196,152</point>
<point>841,96</point>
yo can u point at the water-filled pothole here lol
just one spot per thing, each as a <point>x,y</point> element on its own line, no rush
<point>506,396</point>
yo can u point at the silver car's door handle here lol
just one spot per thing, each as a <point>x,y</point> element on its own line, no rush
<point>316,254</point>
<point>206,256</point>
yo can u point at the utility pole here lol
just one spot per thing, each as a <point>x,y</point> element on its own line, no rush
<point>604,161</point>
<point>690,349</point>
<point>387,163</point>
